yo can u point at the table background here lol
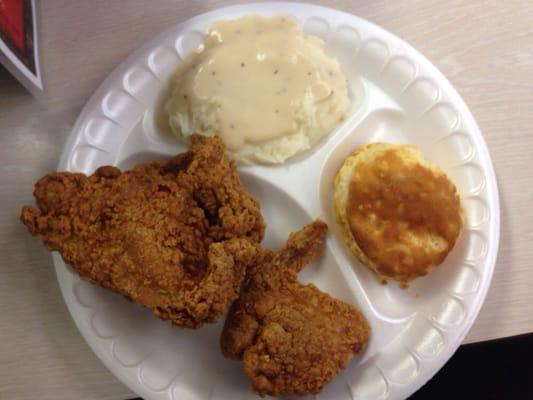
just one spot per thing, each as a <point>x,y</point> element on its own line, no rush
<point>485,48</point>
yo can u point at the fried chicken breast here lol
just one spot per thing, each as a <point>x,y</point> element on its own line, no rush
<point>292,338</point>
<point>173,236</point>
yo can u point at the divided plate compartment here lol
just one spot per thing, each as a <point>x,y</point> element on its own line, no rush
<point>397,96</point>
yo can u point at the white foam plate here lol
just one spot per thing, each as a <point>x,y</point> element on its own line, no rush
<point>398,97</point>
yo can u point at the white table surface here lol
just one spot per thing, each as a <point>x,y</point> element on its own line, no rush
<point>485,48</point>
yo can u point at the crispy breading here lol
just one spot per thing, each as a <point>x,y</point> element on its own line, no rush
<point>292,338</point>
<point>172,236</point>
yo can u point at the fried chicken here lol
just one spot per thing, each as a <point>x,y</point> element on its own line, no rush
<point>173,236</point>
<point>292,338</point>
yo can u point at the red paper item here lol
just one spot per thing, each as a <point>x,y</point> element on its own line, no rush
<point>12,23</point>
<point>17,29</point>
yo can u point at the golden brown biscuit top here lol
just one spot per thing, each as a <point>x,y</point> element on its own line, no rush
<point>404,215</point>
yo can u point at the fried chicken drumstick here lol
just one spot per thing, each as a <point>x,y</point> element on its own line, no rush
<point>292,338</point>
<point>173,236</point>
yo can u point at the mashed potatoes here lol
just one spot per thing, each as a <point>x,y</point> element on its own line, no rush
<point>269,91</point>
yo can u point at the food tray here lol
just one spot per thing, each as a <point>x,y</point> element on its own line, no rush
<point>398,96</point>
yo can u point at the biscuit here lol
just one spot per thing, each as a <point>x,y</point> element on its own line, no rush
<point>400,215</point>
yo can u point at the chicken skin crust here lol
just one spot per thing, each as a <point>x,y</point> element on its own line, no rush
<point>293,338</point>
<point>174,236</point>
